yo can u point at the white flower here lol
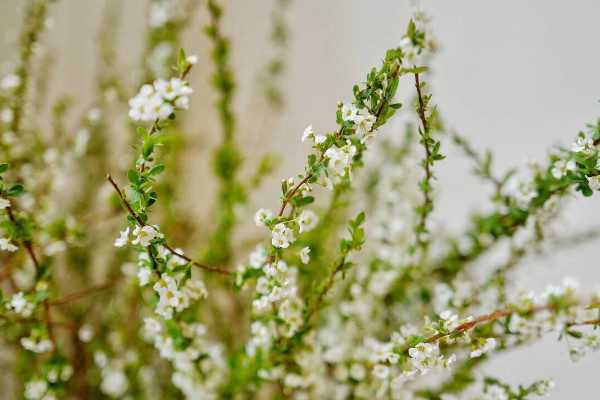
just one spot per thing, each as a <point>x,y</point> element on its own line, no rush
<point>261,215</point>
<point>304,257</point>
<point>10,81</point>
<point>357,372</point>
<point>307,221</point>
<point>21,305</point>
<point>282,236</point>
<point>410,53</point>
<point>399,381</point>
<point>143,275</point>
<point>340,160</point>
<point>37,345</point>
<point>364,123</point>
<point>495,392</point>
<point>35,390</point>
<point>262,285</point>
<point>349,112</point>
<point>114,382</point>
<point>161,12</point>
<point>123,239</point>
<point>320,139</point>
<point>381,372</point>
<point>144,235</point>
<point>584,146</point>
<point>6,245</point>
<point>192,59</point>
<point>422,351</point>
<point>326,183</point>
<point>488,345</point>
<point>258,257</point>
<point>561,167</point>
<point>4,203</point>
<point>171,89</point>
<point>308,133</point>
<point>594,182</point>
<point>85,333</point>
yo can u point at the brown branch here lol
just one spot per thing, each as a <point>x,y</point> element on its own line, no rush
<point>165,245</point>
<point>428,175</point>
<point>499,314</point>
<point>86,292</point>
<point>324,291</point>
<point>29,247</point>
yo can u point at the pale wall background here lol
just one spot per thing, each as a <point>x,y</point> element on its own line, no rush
<point>515,76</point>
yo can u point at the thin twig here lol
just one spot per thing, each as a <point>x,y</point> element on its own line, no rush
<point>165,245</point>
<point>86,292</point>
<point>29,247</point>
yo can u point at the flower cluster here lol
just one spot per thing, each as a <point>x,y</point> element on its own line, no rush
<point>159,100</point>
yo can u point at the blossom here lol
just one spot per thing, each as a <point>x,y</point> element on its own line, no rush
<point>123,239</point>
<point>307,221</point>
<point>357,372</point>
<point>191,59</point>
<point>282,236</point>
<point>10,81</point>
<point>349,112</point>
<point>6,245</point>
<point>364,123</point>
<point>20,304</point>
<point>410,53</point>
<point>114,382</point>
<point>381,371</point>
<point>561,167</point>
<point>495,392</point>
<point>172,88</point>
<point>489,344</point>
<point>154,101</point>
<point>319,139</point>
<point>258,257</point>
<point>144,275</point>
<point>36,389</point>
<point>304,257</point>
<point>161,12</point>
<point>423,356</point>
<point>308,133</point>
<point>85,333</point>
<point>4,203</point>
<point>169,296</point>
<point>261,215</point>
<point>594,182</point>
<point>144,235</point>
<point>584,146</point>
<point>340,159</point>
<point>36,344</point>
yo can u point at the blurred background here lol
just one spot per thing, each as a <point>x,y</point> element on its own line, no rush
<point>516,77</point>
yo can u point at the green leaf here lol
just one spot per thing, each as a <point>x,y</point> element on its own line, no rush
<point>181,61</point>
<point>157,169</point>
<point>148,147</point>
<point>360,219</point>
<point>16,190</point>
<point>4,167</point>
<point>133,178</point>
<point>575,334</point>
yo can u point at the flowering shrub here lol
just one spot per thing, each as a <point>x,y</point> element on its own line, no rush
<point>346,292</point>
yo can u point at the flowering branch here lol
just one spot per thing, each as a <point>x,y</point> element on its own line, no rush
<point>431,155</point>
<point>29,247</point>
<point>165,245</point>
